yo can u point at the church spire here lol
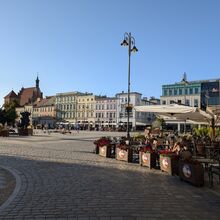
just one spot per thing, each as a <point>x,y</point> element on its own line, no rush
<point>37,82</point>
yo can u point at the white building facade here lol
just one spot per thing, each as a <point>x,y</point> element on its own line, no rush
<point>137,120</point>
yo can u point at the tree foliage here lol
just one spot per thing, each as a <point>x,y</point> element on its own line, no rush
<point>8,114</point>
<point>25,121</point>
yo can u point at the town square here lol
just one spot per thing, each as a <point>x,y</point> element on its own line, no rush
<point>61,178</point>
<point>109,110</point>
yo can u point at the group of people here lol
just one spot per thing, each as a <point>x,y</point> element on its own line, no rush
<point>169,142</point>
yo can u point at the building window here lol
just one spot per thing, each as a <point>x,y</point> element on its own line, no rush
<point>190,91</point>
<point>186,91</point>
<point>175,91</point>
<point>180,91</point>
<point>187,102</point>
<point>163,102</point>
<point>179,101</point>
<point>196,90</point>
<point>165,92</point>
<point>170,92</point>
<point>196,102</point>
<point>171,101</point>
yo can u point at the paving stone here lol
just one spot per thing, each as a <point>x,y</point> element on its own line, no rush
<point>62,179</point>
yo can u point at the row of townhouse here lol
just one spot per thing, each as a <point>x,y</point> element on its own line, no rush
<point>91,111</point>
<point>80,109</point>
<point>88,110</point>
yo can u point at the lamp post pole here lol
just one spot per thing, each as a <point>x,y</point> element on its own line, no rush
<point>129,41</point>
<point>185,82</point>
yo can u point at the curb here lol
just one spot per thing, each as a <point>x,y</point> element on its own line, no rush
<point>16,190</point>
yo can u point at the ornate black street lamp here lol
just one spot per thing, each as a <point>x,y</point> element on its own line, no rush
<point>130,42</point>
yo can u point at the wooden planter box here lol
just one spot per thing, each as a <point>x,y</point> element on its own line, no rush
<point>107,150</point>
<point>124,155</point>
<point>147,159</point>
<point>192,173</point>
<point>169,164</point>
<point>4,133</point>
<point>25,131</point>
<point>96,149</point>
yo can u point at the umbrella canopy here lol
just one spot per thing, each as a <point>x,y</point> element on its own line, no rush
<point>169,109</point>
<point>178,112</point>
<point>185,113</point>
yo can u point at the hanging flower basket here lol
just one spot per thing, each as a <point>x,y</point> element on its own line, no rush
<point>169,163</point>
<point>124,153</point>
<point>191,171</point>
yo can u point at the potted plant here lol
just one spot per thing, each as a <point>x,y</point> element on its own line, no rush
<point>124,152</point>
<point>169,162</point>
<point>191,171</point>
<point>147,157</point>
<point>3,131</point>
<point>202,137</point>
<point>104,147</point>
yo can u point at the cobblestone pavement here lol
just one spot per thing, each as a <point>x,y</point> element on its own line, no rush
<point>2,181</point>
<point>62,179</point>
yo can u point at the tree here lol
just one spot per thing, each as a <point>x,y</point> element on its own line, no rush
<point>159,123</point>
<point>10,112</point>
<point>2,116</point>
<point>25,121</point>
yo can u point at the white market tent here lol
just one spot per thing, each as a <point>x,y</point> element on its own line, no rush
<point>181,112</point>
<point>177,112</point>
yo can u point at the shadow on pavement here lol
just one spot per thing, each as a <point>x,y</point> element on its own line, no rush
<point>56,189</point>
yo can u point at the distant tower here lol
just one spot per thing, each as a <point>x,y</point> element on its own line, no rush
<point>37,82</point>
<point>184,77</point>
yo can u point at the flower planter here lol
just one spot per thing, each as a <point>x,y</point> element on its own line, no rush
<point>192,172</point>
<point>169,164</point>
<point>4,133</point>
<point>147,159</point>
<point>96,149</point>
<point>25,131</point>
<point>124,154</point>
<point>103,141</point>
<point>107,150</point>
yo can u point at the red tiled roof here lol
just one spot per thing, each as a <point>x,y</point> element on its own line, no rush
<point>49,101</point>
<point>11,94</point>
<point>27,95</point>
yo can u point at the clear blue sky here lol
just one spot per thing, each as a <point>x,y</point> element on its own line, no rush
<point>75,44</point>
